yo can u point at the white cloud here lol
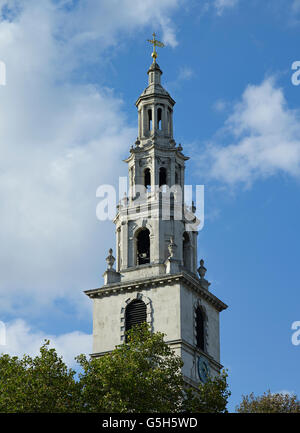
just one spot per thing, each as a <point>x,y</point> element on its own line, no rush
<point>103,21</point>
<point>58,141</point>
<point>221,5</point>
<point>22,339</point>
<point>265,138</point>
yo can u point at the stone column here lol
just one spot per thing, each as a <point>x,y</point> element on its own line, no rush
<point>172,172</point>
<point>118,248</point>
<point>154,119</point>
<point>165,120</point>
<point>140,123</point>
<point>124,245</point>
<point>144,121</point>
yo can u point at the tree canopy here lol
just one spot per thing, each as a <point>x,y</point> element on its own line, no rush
<point>40,384</point>
<point>269,403</point>
<point>141,375</point>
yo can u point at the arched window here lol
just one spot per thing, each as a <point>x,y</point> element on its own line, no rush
<point>186,251</point>
<point>200,328</point>
<point>150,120</point>
<point>143,247</point>
<point>147,178</point>
<point>162,176</point>
<point>135,314</point>
<point>159,117</point>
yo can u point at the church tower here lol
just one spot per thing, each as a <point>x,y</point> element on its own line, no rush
<point>156,277</point>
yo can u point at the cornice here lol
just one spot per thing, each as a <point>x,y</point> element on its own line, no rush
<point>155,146</point>
<point>155,93</point>
<point>182,344</point>
<point>143,283</point>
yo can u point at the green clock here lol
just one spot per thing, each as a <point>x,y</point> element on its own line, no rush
<point>203,369</point>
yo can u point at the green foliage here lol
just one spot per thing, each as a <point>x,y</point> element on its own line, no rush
<point>210,397</point>
<point>141,375</point>
<point>144,375</point>
<point>40,384</point>
<point>269,403</point>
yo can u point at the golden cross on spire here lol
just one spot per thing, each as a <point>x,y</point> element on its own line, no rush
<point>155,44</point>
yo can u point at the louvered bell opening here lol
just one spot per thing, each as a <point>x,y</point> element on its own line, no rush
<point>143,247</point>
<point>136,313</point>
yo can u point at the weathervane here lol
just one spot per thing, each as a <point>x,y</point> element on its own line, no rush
<point>155,44</point>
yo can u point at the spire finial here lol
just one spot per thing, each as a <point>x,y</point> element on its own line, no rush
<point>155,44</point>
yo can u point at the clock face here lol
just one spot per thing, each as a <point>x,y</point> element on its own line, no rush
<point>203,369</point>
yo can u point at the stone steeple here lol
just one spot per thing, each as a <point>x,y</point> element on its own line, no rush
<point>155,211</point>
<point>155,275</point>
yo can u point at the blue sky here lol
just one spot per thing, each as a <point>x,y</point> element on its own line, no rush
<point>67,116</point>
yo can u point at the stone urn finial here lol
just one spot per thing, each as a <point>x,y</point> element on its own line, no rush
<point>172,247</point>
<point>110,260</point>
<point>201,270</point>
